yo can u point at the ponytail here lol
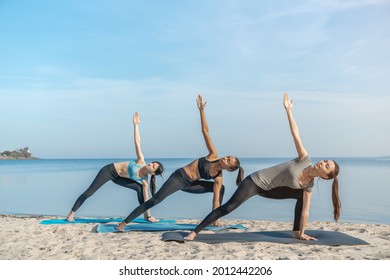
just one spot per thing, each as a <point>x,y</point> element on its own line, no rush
<point>335,191</point>
<point>153,184</point>
<point>240,176</point>
<point>159,171</point>
<point>335,199</point>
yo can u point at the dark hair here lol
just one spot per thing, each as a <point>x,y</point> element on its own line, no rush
<point>240,175</point>
<point>335,191</point>
<point>160,168</point>
<point>158,171</point>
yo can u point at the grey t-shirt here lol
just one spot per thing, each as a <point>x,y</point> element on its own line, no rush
<point>283,175</point>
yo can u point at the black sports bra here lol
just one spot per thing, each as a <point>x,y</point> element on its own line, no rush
<point>204,168</point>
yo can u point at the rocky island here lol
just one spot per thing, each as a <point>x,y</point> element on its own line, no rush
<point>17,154</point>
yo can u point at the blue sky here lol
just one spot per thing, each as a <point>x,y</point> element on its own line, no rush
<point>72,73</point>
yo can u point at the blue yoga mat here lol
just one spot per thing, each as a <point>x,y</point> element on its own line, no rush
<point>97,220</point>
<point>107,228</point>
<point>331,238</point>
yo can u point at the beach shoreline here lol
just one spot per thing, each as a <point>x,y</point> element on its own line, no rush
<point>23,238</point>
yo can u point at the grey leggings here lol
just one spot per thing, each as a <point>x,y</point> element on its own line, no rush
<point>177,181</point>
<point>106,174</point>
<point>246,190</point>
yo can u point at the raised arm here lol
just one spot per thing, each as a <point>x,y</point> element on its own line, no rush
<point>288,104</point>
<point>205,128</point>
<point>137,139</point>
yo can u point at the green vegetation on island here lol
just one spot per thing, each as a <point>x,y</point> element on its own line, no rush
<point>17,154</point>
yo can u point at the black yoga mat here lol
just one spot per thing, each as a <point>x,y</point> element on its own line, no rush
<point>332,238</point>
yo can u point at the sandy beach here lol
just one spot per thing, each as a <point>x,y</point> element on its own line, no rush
<point>23,238</point>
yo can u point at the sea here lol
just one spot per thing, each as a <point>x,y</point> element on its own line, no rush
<point>51,186</point>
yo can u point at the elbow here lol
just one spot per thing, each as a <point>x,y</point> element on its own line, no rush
<point>205,130</point>
<point>295,131</point>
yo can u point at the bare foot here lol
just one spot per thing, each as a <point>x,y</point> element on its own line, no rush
<point>70,217</point>
<point>153,219</point>
<point>121,227</point>
<point>190,237</point>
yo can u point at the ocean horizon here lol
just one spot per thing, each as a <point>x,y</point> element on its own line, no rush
<point>50,187</point>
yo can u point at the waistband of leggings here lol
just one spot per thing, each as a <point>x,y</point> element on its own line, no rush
<point>183,177</point>
<point>111,168</point>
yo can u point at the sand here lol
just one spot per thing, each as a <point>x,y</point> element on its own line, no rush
<point>23,238</point>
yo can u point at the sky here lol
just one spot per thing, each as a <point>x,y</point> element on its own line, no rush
<point>72,74</point>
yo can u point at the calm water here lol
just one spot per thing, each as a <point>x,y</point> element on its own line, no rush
<point>50,187</point>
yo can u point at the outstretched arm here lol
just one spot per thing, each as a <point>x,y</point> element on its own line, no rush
<point>288,104</point>
<point>205,129</point>
<point>217,196</point>
<point>145,191</point>
<point>137,139</point>
<point>304,218</point>
<point>217,192</point>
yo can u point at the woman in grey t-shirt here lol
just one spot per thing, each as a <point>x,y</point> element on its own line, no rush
<point>292,179</point>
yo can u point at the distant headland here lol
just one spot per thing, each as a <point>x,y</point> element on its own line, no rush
<point>17,154</point>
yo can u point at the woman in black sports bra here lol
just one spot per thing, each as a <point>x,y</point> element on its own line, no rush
<point>193,177</point>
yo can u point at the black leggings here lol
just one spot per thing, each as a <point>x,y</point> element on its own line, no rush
<point>246,190</point>
<point>106,174</point>
<point>177,181</point>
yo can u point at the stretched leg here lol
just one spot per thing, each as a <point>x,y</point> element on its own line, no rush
<point>105,174</point>
<point>202,186</point>
<point>133,185</point>
<point>285,193</point>
<point>246,190</point>
<point>172,185</point>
